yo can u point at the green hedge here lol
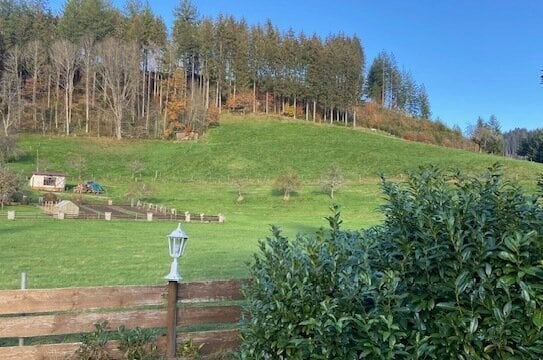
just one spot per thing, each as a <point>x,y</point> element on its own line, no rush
<point>454,272</point>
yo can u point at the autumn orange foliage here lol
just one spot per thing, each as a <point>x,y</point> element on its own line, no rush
<point>175,103</point>
<point>241,101</point>
<point>374,116</point>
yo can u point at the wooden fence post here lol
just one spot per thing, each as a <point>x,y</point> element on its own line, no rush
<point>171,320</point>
<point>23,287</point>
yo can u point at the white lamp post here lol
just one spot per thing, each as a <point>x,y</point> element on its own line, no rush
<point>177,242</point>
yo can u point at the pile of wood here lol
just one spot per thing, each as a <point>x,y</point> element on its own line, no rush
<point>82,188</point>
<point>90,187</point>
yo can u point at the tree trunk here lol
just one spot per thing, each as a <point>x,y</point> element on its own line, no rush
<point>57,98</point>
<point>34,90</point>
<point>192,82</point>
<point>93,89</point>
<point>217,102</point>
<point>234,95</point>
<point>160,95</point>
<point>147,113</point>
<point>207,93</point>
<point>118,125</point>
<point>141,110</point>
<point>49,80</point>
<point>87,98</point>
<point>157,92</point>
<point>165,120</point>
<point>254,95</point>
<point>67,110</point>
<point>18,84</point>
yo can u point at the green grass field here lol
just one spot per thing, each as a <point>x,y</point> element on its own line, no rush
<point>198,177</point>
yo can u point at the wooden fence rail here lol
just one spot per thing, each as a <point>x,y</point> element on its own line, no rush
<point>195,218</point>
<point>52,312</point>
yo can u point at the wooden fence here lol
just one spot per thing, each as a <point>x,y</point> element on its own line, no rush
<point>50,314</point>
<point>100,215</point>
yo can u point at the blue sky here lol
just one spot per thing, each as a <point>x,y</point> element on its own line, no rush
<point>475,57</point>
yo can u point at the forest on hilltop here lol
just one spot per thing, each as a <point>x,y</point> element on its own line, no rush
<point>98,70</point>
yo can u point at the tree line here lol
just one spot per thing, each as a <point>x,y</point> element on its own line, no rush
<point>396,89</point>
<point>527,144</point>
<point>518,143</point>
<point>94,69</point>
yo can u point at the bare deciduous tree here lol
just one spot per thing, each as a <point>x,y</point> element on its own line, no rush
<point>10,90</point>
<point>8,102</point>
<point>119,70</point>
<point>64,56</point>
<point>35,57</point>
<point>88,46</point>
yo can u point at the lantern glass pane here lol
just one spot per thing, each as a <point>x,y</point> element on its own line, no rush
<point>183,245</point>
<point>177,246</point>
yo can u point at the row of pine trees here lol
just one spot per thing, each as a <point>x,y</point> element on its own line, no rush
<point>99,70</point>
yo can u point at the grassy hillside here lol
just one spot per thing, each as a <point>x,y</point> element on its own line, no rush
<point>257,150</point>
<point>197,177</point>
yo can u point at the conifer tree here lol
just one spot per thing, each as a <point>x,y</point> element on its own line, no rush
<point>271,49</point>
<point>206,57</point>
<point>256,60</point>
<point>185,37</point>
<point>315,68</point>
<point>531,147</point>
<point>424,103</point>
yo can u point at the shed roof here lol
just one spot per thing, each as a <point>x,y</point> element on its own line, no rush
<point>48,173</point>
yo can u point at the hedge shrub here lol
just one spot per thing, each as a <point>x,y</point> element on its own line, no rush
<point>454,272</point>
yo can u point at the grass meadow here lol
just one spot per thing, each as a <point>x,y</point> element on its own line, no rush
<point>199,177</point>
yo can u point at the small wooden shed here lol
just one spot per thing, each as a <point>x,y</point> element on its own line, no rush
<point>48,181</point>
<point>68,208</point>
